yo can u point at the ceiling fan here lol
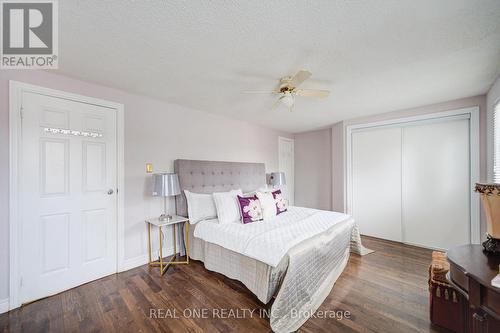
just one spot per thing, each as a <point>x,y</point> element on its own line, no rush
<point>288,90</point>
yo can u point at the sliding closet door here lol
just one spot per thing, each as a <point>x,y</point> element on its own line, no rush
<point>436,184</point>
<point>376,182</point>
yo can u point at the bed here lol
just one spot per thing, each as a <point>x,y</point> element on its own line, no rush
<point>296,259</point>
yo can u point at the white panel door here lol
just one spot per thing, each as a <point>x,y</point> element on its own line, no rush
<point>436,184</point>
<point>286,165</point>
<point>68,210</point>
<point>376,182</point>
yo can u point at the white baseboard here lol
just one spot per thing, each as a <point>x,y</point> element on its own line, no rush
<point>4,305</point>
<point>133,263</point>
<point>141,260</point>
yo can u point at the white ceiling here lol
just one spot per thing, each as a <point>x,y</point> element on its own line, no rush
<point>375,56</point>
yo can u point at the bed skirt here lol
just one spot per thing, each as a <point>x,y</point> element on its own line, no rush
<point>260,278</point>
<point>301,281</point>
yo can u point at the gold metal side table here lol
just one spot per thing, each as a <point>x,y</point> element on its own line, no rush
<point>163,265</point>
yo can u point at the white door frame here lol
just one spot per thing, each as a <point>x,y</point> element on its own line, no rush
<point>16,90</point>
<point>292,141</point>
<point>490,139</point>
<point>473,113</point>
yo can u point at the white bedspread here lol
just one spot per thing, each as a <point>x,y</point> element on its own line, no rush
<point>269,241</point>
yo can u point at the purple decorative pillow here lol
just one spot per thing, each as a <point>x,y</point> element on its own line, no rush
<point>281,203</point>
<point>250,209</point>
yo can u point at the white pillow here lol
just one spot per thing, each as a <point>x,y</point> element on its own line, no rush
<point>268,204</point>
<point>200,207</point>
<point>226,203</point>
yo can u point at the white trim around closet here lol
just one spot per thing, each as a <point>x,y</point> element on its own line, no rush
<point>472,113</point>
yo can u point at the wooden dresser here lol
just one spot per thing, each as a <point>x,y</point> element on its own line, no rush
<point>471,272</point>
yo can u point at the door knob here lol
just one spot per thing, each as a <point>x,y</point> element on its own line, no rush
<point>110,191</point>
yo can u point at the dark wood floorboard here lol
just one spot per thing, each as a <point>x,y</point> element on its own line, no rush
<point>383,292</point>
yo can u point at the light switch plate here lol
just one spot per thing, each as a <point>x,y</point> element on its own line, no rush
<point>149,167</point>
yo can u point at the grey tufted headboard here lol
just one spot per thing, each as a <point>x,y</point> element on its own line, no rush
<point>210,176</point>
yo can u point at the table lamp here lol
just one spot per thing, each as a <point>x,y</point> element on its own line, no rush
<point>165,185</point>
<point>277,179</point>
<point>490,198</point>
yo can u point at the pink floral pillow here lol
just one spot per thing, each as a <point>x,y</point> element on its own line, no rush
<point>250,209</point>
<point>281,203</point>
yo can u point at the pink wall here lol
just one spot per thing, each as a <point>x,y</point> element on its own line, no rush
<point>313,164</point>
<point>156,132</point>
<point>337,144</point>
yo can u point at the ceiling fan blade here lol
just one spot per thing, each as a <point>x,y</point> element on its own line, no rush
<point>312,93</point>
<point>276,104</point>
<point>300,77</point>
<point>259,92</point>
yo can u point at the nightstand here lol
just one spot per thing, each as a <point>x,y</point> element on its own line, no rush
<point>160,224</point>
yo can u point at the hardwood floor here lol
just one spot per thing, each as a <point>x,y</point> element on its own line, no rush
<point>384,292</point>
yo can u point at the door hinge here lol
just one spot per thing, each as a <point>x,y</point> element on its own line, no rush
<point>21,112</point>
<point>21,282</point>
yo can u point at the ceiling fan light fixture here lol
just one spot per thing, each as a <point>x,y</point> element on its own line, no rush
<point>287,99</point>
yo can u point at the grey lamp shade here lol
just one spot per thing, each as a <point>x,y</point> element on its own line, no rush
<point>277,178</point>
<point>165,185</point>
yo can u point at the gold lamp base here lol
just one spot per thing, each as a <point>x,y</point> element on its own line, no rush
<point>491,245</point>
